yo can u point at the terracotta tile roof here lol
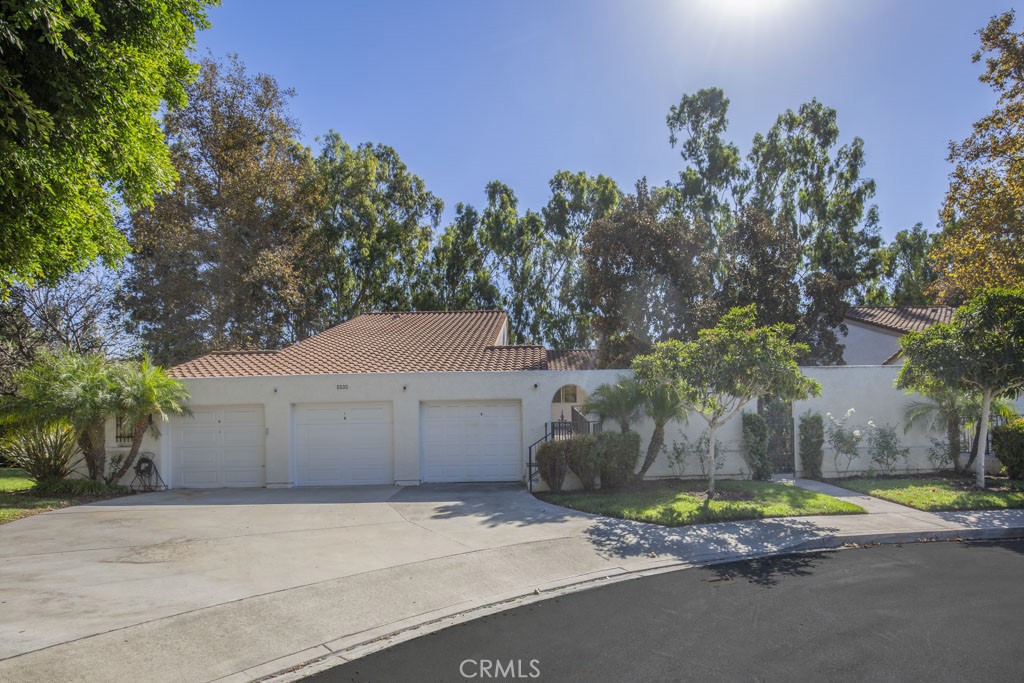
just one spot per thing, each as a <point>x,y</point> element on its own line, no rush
<point>901,318</point>
<point>572,359</point>
<point>458,341</point>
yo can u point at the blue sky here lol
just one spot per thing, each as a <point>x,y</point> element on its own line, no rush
<point>472,91</point>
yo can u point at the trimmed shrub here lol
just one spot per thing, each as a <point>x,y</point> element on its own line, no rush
<point>812,440</point>
<point>1008,444</point>
<point>583,460</point>
<point>755,446</point>
<point>553,463</point>
<point>618,454</point>
<point>44,453</point>
<point>885,447</point>
<point>65,488</point>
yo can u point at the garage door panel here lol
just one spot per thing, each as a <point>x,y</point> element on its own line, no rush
<point>471,441</point>
<point>219,447</point>
<point>344,444</point>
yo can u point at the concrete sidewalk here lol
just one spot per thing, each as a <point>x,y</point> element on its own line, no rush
<point>469,552</point>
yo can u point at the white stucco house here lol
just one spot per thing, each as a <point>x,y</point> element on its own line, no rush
<point>873,332</point>
<point>411,398</point>
<point>389,398</point>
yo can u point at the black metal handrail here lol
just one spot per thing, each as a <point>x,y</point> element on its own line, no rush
<point>531,465</point>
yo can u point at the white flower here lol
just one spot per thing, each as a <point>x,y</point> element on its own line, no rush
<point>871,423</point>
<point>829,415</point>
<point>850,412</point>
<point>856,433</point>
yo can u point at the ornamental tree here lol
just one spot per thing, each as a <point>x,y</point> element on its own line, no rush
<point>981,350</point>
<point>80,84</point>
<point>726,367</point>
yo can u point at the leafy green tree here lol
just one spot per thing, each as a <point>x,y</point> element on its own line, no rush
<point>906,273</point>
<point>981,351</point>
<point>761,262</point>
<point>224,260</point>
<point>374,230</point>
<point>145,395</point>
<point>984,245</point>
<point>802,182</point>
<point>80,83</point>
<point>577,200</point>
<point>647,276</point>
<point>519,249</point>
<point>726,367</point>
<point>456,277</point>
<point>621,402</point>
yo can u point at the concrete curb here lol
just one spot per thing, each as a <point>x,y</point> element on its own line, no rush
<point>300,665</point>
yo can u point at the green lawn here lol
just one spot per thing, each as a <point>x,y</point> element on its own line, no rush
<point>17,501</point>
<point>935,494</point>
<point>677,503</point>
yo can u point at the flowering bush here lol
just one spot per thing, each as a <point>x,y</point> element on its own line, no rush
<point>885,447</point>
<point>845,442</point>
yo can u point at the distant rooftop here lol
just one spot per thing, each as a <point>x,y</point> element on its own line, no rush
<point>901,318</point>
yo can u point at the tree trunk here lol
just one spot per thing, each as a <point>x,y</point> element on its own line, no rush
<point>653,448</point>
<point>974,446</point>
<point>953,443</point>
<point>711,462</point>
<point>979,451</point>
<point>90,441</point>
<point>138,433</point>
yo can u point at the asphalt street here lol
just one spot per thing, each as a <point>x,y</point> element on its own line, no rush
<point>919,612</point>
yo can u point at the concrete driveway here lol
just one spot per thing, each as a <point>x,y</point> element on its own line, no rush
<point>178,585</point>
<point>236,584</point>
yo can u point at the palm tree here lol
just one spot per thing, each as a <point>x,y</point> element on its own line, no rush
<point>69,388</point>
<point>144,390</point>
<point>662,404</point>
<point>951,408</point>
<point>621,402</point>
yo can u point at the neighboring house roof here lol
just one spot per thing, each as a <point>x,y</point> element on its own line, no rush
<point>572,359</point>
<point>434,341</point>
<point>901,319</point>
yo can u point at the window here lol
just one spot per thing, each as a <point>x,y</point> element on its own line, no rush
<point>123,430</point>
<point>566,394</point>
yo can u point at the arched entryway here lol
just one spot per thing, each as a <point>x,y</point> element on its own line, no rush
<point>565,399</point>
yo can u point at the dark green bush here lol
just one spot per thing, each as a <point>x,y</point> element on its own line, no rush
<point>553,463</point>
<point>812,438</point>
<point>64,488</point>
<point>1008,444</point>
<point>583,460</point>
<point>618,454</point>
<point>43,452</point>
<point>755,446</point>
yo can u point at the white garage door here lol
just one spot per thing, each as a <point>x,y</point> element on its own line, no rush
<point>471,441</point>
<point>342,444</point>
<point>218,447</point>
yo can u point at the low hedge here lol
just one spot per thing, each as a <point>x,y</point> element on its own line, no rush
<point>584,461</point>
<point>553,463</point>
<point>1008,444</point>
<point>617,454</point>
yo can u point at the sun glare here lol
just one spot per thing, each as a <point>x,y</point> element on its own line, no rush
<point>746,8</point>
